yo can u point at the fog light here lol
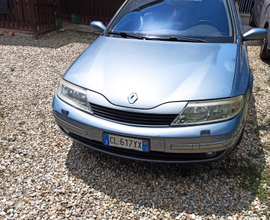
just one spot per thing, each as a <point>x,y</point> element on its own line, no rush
<point>210,154</point>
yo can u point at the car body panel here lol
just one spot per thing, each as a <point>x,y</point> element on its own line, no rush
<point>243,75</point>
<point>170,140</point>
<point>185,71</point>
<point>215,129</point>
<point>242,79</point>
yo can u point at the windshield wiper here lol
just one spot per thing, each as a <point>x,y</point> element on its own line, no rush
<point>187,39</point>
<point>172,38</point>
<point>126,35</point>
<point>181,39</point>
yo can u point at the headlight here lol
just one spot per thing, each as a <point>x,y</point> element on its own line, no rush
<point>73,95</point>
<point>203,112</point>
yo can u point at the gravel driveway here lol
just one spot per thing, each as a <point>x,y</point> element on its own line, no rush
<point>45,175</point>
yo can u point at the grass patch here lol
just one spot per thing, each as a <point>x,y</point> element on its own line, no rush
<point>12,69</point>
<point>258,89</point>
<point>263,115</point>
<point>247,173</point>
<point>35,100</point>
<point>268,121</point>
<point>268,81</point>
<point>249,177</point>
<point>36,97</point>
<point>263,192</point>
<point>2,114</point>
<point>264,212</point>
<point>252,176</point>
<point>257,130</point>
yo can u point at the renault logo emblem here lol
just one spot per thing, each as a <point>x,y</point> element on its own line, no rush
<point>132,98</point>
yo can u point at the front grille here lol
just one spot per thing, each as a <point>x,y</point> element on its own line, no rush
<point>131,117</point>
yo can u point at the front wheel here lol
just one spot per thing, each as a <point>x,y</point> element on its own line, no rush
<point>264,53</point>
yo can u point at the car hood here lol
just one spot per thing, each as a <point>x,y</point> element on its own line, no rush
<point>157,71</point>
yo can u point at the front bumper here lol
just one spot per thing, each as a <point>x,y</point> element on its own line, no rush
<point>167,144</point>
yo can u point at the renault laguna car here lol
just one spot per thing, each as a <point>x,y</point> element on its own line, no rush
<point>166,81</point>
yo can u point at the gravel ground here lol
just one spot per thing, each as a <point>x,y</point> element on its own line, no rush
<point>45,175</point>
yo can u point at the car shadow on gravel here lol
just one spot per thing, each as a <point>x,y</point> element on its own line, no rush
<point>266,62</point>
<point>220,188</point>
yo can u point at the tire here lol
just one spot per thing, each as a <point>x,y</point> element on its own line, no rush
<point>251,18</point>
<point>264,52</point>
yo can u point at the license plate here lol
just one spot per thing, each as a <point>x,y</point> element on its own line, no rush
<point>125,142</point>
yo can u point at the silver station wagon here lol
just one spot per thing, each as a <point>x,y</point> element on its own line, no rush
<point>166,81</point>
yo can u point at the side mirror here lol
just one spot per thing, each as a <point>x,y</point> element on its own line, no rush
<point>255,34</point>
<point>97,26</point>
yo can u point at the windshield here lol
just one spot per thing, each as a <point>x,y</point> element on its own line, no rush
<point>208,20</point>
